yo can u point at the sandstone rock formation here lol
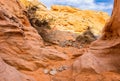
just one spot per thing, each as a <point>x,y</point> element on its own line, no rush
<point>23,51</point>
<point>103,54</point>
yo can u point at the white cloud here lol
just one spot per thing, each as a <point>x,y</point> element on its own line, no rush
<point>82,4</point>
<point>79,1</point>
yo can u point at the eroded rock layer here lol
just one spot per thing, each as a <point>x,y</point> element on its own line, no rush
<point>18,40</point>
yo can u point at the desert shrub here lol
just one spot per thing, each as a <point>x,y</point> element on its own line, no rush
<point>32,6</point>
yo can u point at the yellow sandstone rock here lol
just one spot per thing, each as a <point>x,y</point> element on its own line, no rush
<point>72,19</point>
<point>67,18</point>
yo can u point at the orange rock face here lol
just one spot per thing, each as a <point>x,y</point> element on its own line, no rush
<point>17,38</point>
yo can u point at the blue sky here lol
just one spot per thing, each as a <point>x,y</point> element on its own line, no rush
<point>100,5</point>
